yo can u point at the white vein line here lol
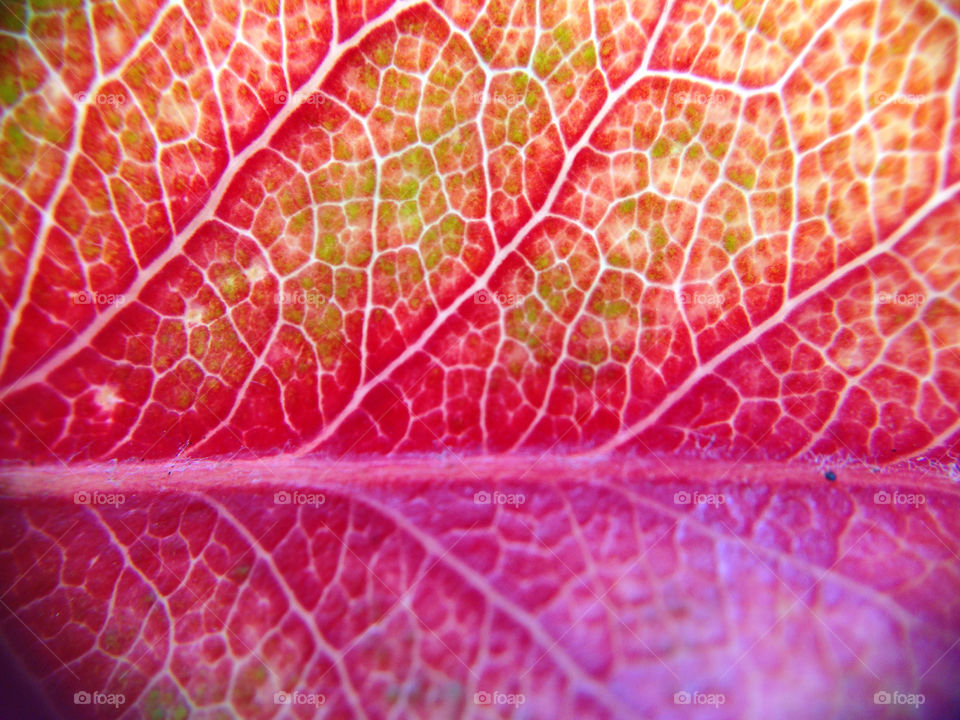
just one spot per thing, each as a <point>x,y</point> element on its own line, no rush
<point>236,166</point>
<point>257,549</point>
<point>937,441</point>
<point>94,39</point>
<point>215,88</point>
<point>828,27</point>
<point>494,597</point>
<point>854,585</point>
<point>571,155</point>
<point>706,369</point>
<point>798,600</point>
<point>284,60</point>
<point>39,639</point>
<point>36,255</point>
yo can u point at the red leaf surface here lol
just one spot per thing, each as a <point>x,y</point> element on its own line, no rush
<point>390,591</point>
<point>591,254</point>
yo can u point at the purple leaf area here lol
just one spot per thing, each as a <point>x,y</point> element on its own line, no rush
<point>425,588</point>
<point>530,360</point>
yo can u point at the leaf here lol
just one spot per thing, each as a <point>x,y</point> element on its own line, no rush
<point>429,234</point>
<point>604,256</point>
<point>409,588</point>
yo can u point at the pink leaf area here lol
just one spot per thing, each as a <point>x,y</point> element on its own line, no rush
<point>487,360</point>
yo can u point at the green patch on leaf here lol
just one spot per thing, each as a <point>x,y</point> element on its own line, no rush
<point>615,309</point>
<point>718,150</point>
<point>660,148</point>
<point>433,258</point>
<point>618,260</point>
<point>164,705</point>
<point>694,116</point>
<point>589,54</point>
<point>745,178</point>
<point>564,38</point>
<point>452,225</point>
<point>329,250</point>
<point>658,236</point>
<point>544,63</point>
<point>239,572</point>
<point>517,131</point>
<point>9,89</point>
